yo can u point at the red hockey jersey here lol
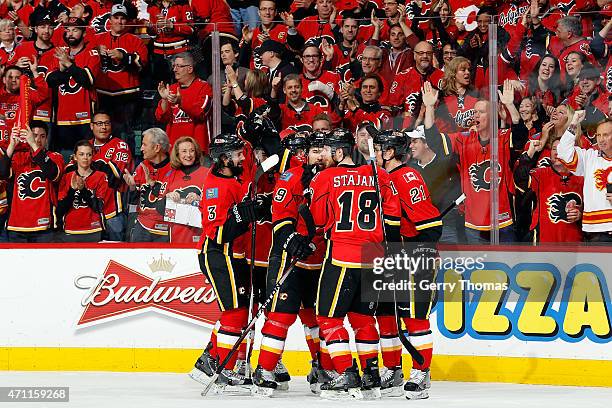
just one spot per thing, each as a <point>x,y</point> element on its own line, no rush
<point>171,41</point>
<point>75,91</point>
<point>116,153</point>
<point>345,204</point>
<point>80,217</point>
<point>34,193</point>
<point>475,170</point>
<point>190,117</point>
<point>184,183</point>
<point>288,196</point>
<point>553,192</point>
<point>148,217</point>
<point>123,77</point>
<point>418,212</point>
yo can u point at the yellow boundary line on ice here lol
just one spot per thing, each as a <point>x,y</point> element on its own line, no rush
<point>444,368</point>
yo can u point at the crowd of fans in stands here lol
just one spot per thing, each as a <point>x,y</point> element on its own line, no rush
<point>92,88</point>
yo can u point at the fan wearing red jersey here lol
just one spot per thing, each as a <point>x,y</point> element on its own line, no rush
<point>558,194</point>
<point>71,76</point>
<point>11,99</point>
<point>346,205</point>
<point>268,28</point>
<point>226,216</point>
<point>299,289</point>
<point>35,173</point>
<point>185,106</point>
<point>80,205</point>
<point>472,152</point>
<point>185,180</point>
<point>171,25</point>
<point>420,223</point>
<point>149,180</point>
<point>112,156</point>
<point>296,111</point>
<point>369,109</point>
<point>123,57</point>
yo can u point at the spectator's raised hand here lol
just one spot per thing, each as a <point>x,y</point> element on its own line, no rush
<point>163,90</point>
<point>430,94</point>
<point>535,146</point>
<point>578,117</point>
<point>247,34</point>
<point>231,75</point>
<point>507,95</point>
<point>23,63</point>
<point>546,129</point>
<point>174,196</point>
<point>276,81</point>
<point>288,19</point>
<point>327,49</point>
<point>263,36</point>
<point>475,41</point>
<point>129,178</point>
<point>27,136</point>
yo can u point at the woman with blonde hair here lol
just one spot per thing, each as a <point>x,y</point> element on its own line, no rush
<point>184,185</point>
<point>456,109</point>
<point>238,101</point>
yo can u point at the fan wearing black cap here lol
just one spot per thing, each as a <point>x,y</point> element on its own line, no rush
<point>272,53</point>
<point>268,28</point>
<point>41,41</point>
<point>123,56</point>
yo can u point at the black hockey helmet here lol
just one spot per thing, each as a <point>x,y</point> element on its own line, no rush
<point>224,143</point>
<point>339,138</point>
<point>296,141</point>
<point>392,139</point>
<point>317,138</point>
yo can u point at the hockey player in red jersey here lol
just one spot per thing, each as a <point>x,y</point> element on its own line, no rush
<point>80,205</point>
<point>226,216</point>
<point>35,173</point>
<point>346,205</point>
<point>420,223</point>
<point>299,289</point>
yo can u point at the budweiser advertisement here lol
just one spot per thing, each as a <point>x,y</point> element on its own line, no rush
<point>120,291</point>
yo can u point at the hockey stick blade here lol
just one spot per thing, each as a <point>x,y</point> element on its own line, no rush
<point>265,166</point>
<point>414,353</point>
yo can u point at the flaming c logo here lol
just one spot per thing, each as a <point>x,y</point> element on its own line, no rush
<point>602,177</point>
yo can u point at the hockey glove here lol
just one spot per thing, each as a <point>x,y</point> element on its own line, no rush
<point>245,212</point>
<point>298,246</point>
<point>307,175</point>
<point>264,207</point>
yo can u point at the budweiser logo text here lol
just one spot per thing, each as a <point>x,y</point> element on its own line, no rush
<point>122,290</point>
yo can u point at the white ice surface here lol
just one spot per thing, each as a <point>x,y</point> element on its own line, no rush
<point>151,390</point>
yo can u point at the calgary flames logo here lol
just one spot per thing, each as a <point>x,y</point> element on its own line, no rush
<point>30,185</point>
<point>411,102</point>
<point>480,175</point>
<point>101,23</point>
<point>557,204</point>
<point>317,40</point>
<point>149,199</point>
<point>318,100</point>
<point>602,178</point>
<point>70,88</point>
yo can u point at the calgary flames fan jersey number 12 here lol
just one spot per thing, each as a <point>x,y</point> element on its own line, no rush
<point>345,203</point>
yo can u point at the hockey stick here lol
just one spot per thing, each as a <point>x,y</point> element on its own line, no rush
<point>452,205</point>
<point>307,217</point>
<point>414,353</point>
<point>262,168</point>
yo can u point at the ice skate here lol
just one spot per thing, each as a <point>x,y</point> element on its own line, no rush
<point>345,386</point>
<point>264,383</point>
<point>370,380</point>
<point>392,381</point>
<point>418,384</point>
<point>313,376</point>
<point>231,382</point>
<point>204,367</point>
<point>281,376</point>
